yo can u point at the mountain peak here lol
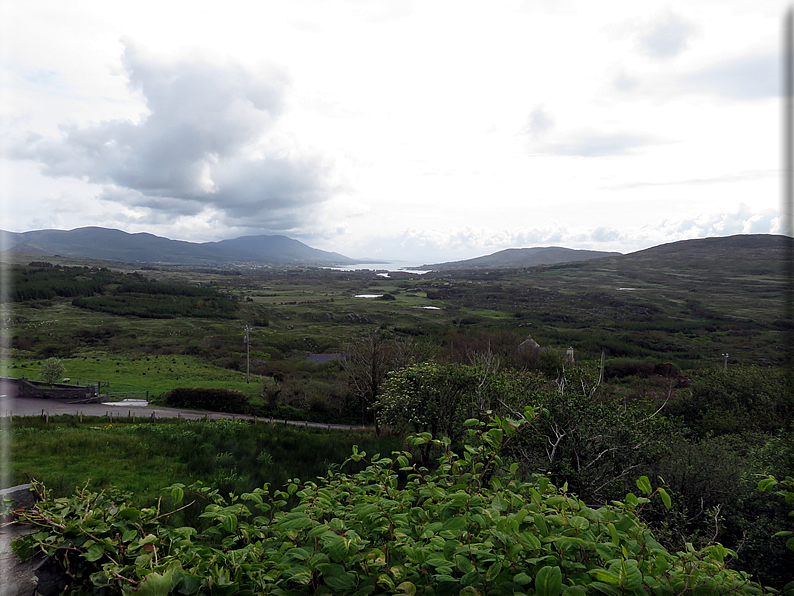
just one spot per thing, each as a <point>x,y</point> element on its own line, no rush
<point>142,247</point>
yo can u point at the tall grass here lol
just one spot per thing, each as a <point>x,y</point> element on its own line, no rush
<point>233,456</point>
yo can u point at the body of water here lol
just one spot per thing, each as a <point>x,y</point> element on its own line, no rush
<point>384,267</point>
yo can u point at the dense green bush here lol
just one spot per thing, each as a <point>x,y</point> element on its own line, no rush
<point>446,532</point>
<point>737,400</point>
<point>617,368</point>
<point>217,400</point>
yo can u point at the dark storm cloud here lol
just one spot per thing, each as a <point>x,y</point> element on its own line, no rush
<point>746,77</point>
<point>192,150</point>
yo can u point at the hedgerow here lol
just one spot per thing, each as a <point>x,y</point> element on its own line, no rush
<point>467,528</point>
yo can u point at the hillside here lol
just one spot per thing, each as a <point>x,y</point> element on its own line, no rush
<point>513,258</point>
<point>116,245</point>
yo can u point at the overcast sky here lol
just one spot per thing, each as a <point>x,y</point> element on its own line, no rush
<point>424,131</point>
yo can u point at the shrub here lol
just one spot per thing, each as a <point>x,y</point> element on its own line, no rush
<point>445,532</point>
<point>217,400</point>
<point>736,400</point>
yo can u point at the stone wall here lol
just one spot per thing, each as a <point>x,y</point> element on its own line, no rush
<point>59,391</point>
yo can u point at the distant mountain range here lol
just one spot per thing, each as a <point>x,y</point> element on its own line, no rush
<point>115,245</point>
<point>523,257</point>
<point>148,249</point>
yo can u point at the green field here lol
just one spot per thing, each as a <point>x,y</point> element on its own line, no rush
<point>155,374</point>
<point>144,457</point>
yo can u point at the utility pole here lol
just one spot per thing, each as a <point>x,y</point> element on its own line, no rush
<point>247,354</point>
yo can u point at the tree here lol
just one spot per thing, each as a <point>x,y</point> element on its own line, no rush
<point>429,397</point>
<point>593,441</point>
<point>368,361</point>
<point>438,398</point>
<point>52,370</point>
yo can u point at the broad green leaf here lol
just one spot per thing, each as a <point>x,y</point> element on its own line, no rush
<point>529,540</point>
<point>613,532</point>
<point>299,574</point>
<point>155,584</point>
<point>94,552</point>
<point>189,584</point>
<point>608,589</point>
<point>454,523</point>
<point>493,571</point>
<point>406,588</point>
<point>337,547</point>
<point>665,498</point>
<point>644,485</point>
<point>579,523</point>
<point>177,494</point>
<point>295,521</point>
<point>129,513</point>
<point>628,573</point>
<point>605,576</point>
<point>337,577</point>
<point>437,561</point>
<point>229,523</point>
<point>548,581</point>
<point>450,546</point>
<point>318,530</point>
<point>298,553</point>
<point>464,564</point>
<point>540,522</point>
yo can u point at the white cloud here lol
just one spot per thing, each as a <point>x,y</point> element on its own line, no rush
<point>202,145</point>
<point>539,122</point>
<point>597,144</point>
<point>747,77</point>
<point>666,37</point>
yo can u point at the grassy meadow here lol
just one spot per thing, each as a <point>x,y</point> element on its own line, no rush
<point>156,374</point>
<point>143,457</point>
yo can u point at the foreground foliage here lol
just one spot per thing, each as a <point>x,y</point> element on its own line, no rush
<point>393,528</point>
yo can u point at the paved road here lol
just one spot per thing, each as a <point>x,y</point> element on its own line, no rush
<point>10,405</point>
